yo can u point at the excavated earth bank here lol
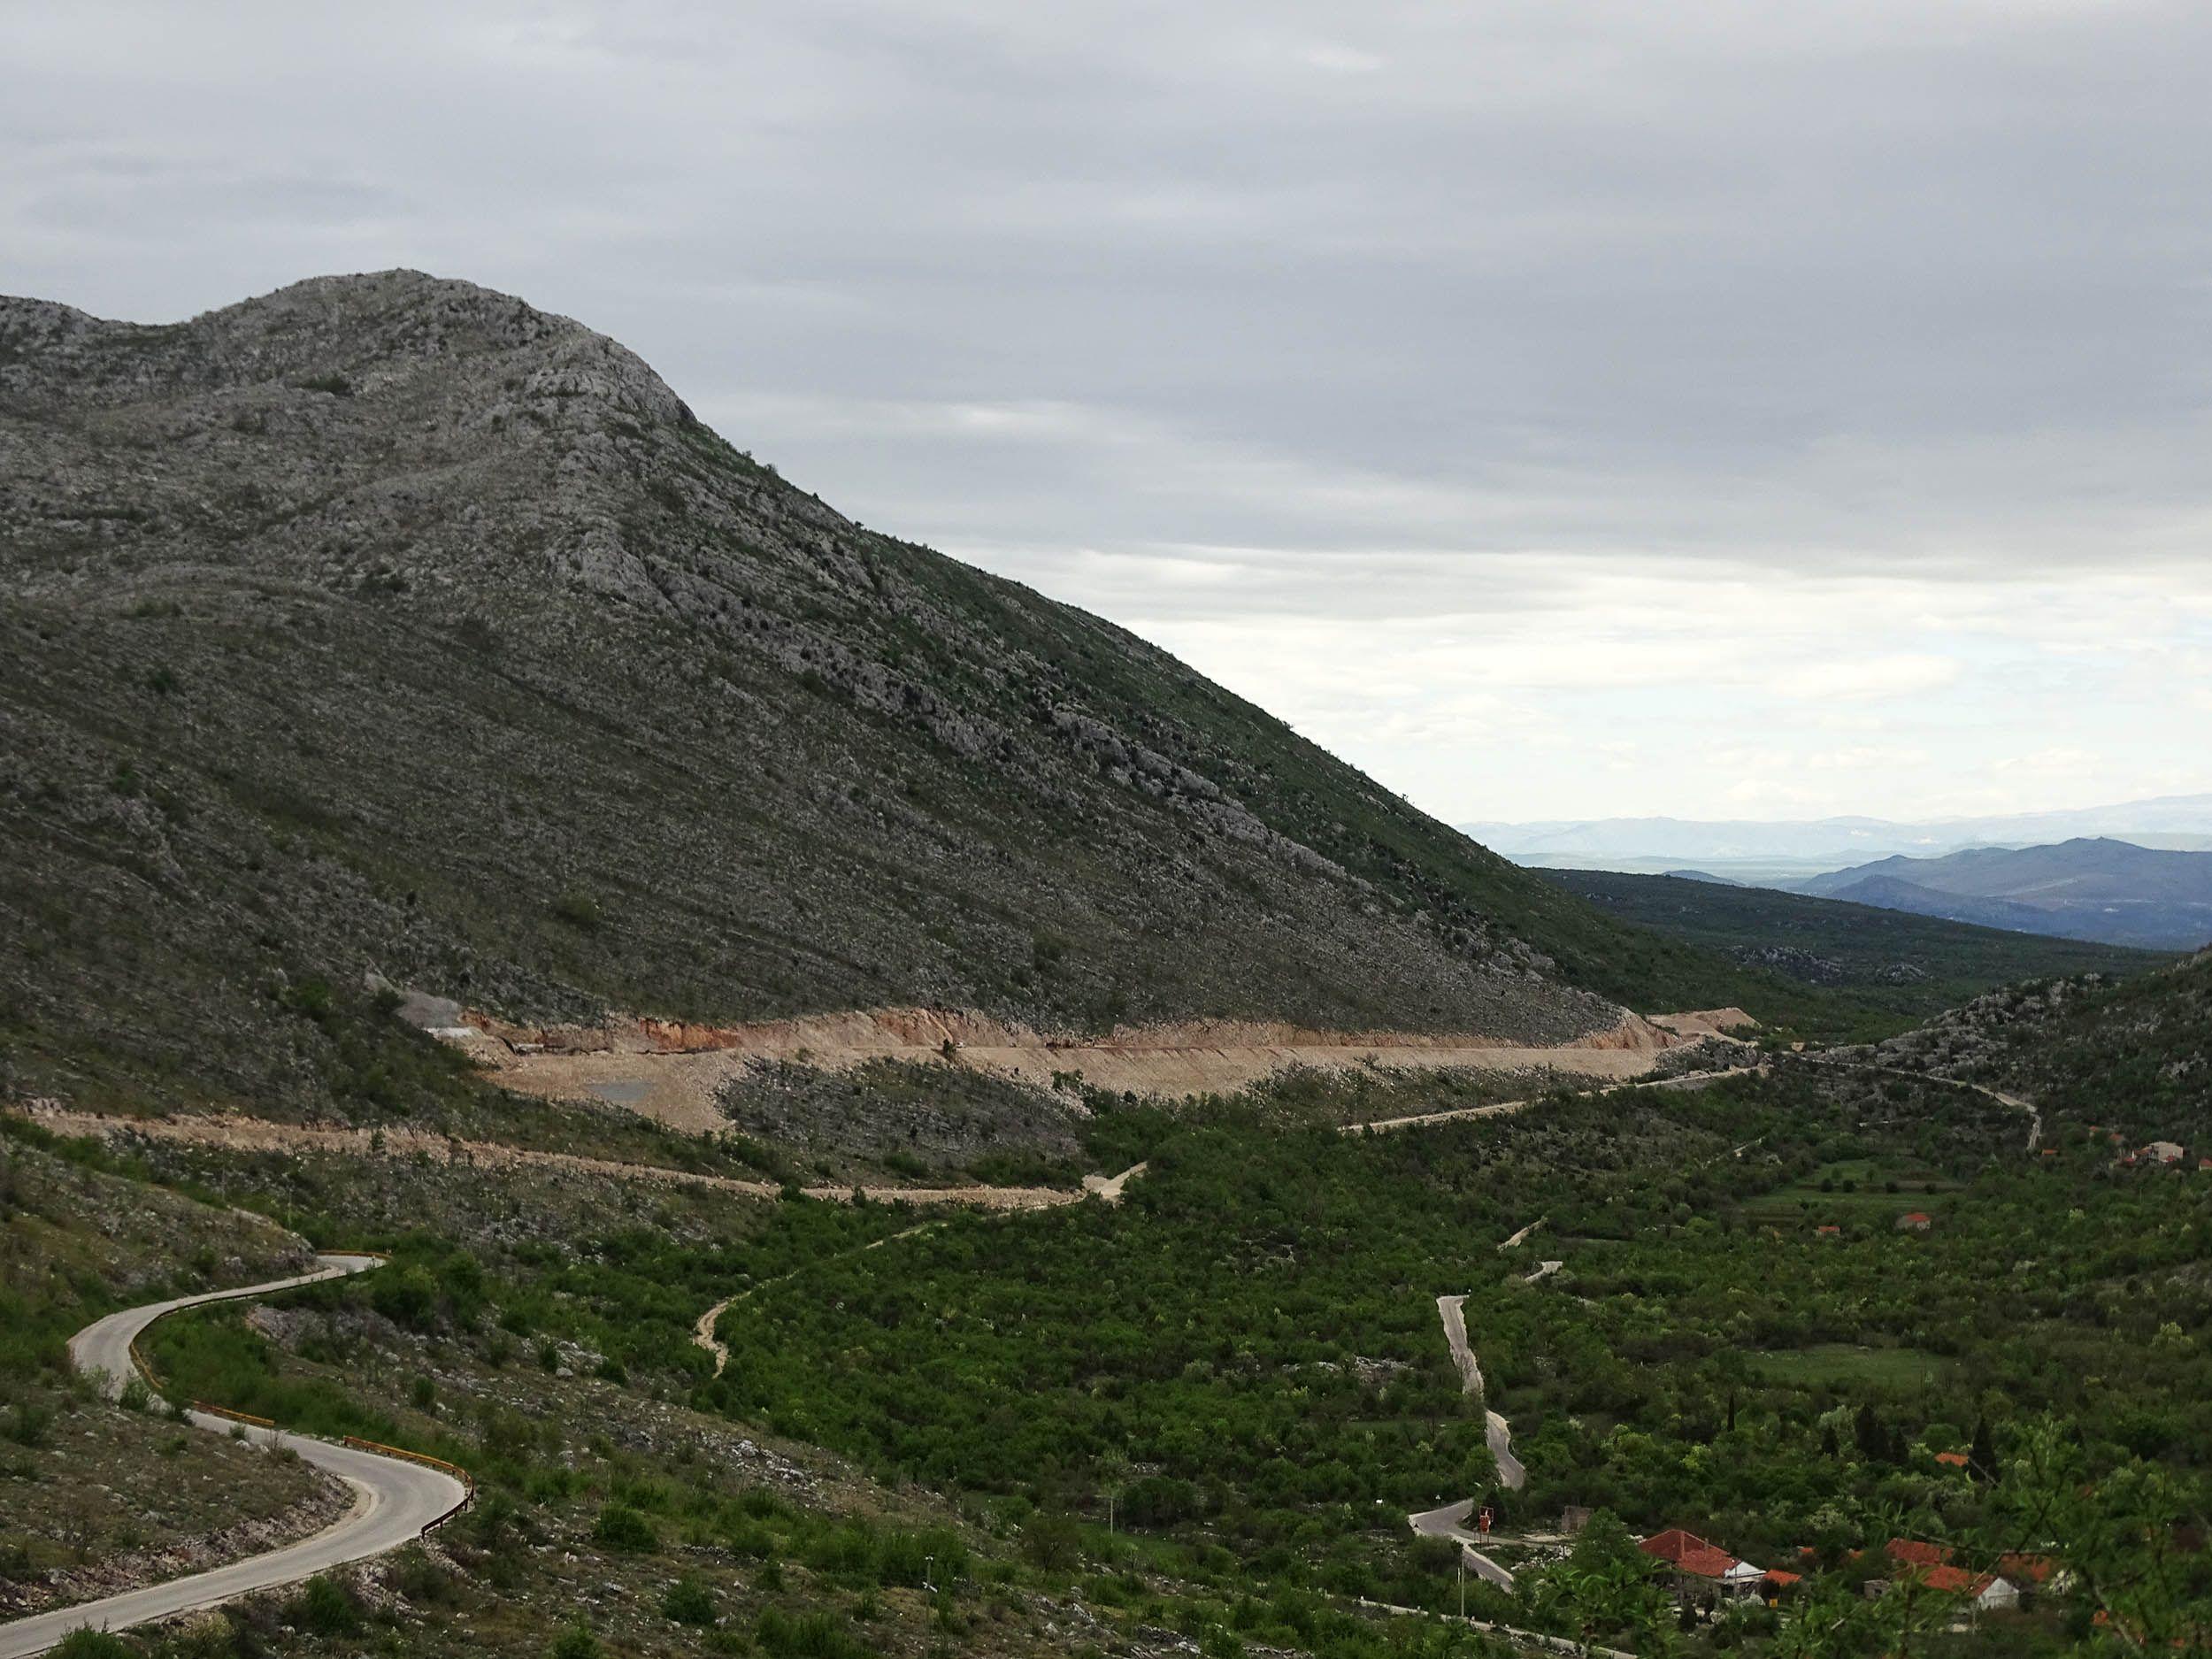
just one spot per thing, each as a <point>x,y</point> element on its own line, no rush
<point>670,1072</point>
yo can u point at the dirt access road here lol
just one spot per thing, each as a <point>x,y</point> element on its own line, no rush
<point>1451,1520</point>
<point>395,1499</point>
<point>1507,1108</point>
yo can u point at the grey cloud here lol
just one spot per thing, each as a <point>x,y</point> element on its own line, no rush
<point>1175,309</point>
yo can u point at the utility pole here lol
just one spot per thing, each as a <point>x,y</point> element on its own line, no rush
<point>1462,1582</point>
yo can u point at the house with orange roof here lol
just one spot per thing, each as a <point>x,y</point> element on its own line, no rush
<point>2035,1574</point>
<point>1703,1572</point>
<point>1932,1566</point>
<point>1914,1221</point>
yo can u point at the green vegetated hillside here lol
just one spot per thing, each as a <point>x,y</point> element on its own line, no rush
<point>1843,968</point>
<point>386,625</point>
<point>1244,1360</point>
<point>2135,1054</point>
<point>1250,1359</point>
<point>536,1325</point>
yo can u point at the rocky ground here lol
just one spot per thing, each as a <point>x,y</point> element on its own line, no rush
<point>909,1118</point>
<point>648,727</point>
<point>95,1498</point>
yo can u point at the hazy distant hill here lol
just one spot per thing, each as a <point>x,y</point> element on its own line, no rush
<point>385,624</point>
<point>1871,964</point>
<point>1750,848</point>
<point>2097,889</point>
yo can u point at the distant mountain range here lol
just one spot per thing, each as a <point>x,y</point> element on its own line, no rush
<point>1751,850</point>
<point>2110,891</point>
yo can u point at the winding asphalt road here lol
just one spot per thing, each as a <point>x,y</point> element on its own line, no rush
<point>393,1500</point>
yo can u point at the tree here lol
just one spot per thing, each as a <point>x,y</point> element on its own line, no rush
<point>1867,1435</point>
<point>1981,1458</point>
<point>2120,1532</point>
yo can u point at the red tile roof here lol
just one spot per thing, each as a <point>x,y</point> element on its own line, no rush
<point>2027,1568</point>
<point>1689,1551</point>
<point>1931,1566</point>
<point>1957,1580</point>
<point>1913,1553</point>
<point>1955,1460</point>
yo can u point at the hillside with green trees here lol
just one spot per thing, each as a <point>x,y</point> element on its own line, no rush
<point>1210,1409</point>
<point>1250,1356</point>
<point>2134,1055</point>
<point>1837,968</point>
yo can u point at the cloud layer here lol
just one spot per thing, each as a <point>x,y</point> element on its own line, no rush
<point>1557,409</point>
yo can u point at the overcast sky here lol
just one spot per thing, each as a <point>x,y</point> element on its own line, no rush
<point>1558,409</point>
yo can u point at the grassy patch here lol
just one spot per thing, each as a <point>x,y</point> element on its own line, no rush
<point>1844,1365</point>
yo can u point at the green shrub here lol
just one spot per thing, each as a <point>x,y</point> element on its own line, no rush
<point>689,1602</point>
<point>621,1527</point>
<point>579,909</point>
<point>808,1636</point>
<point>405,1295</point>
<point>92,1644</point>
<point>325,1607</point>
<point>575,1642</point>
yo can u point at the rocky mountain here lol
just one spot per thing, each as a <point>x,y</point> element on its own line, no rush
<point>2110,891</point>
<point>387,631</point>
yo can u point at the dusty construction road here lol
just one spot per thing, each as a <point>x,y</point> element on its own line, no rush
<point>1451,1521</point>
<point>393,1500</point>
<point>1452,1311</point>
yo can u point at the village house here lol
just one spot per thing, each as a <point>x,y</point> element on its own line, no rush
<point>1932,1566</point>
<point>2159,1152</point>
<point>1914,1221</point>
<point>1703,1572</point>
<point>2034,1574</point>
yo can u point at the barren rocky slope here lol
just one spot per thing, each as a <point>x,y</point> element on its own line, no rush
<point>385,625</point>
